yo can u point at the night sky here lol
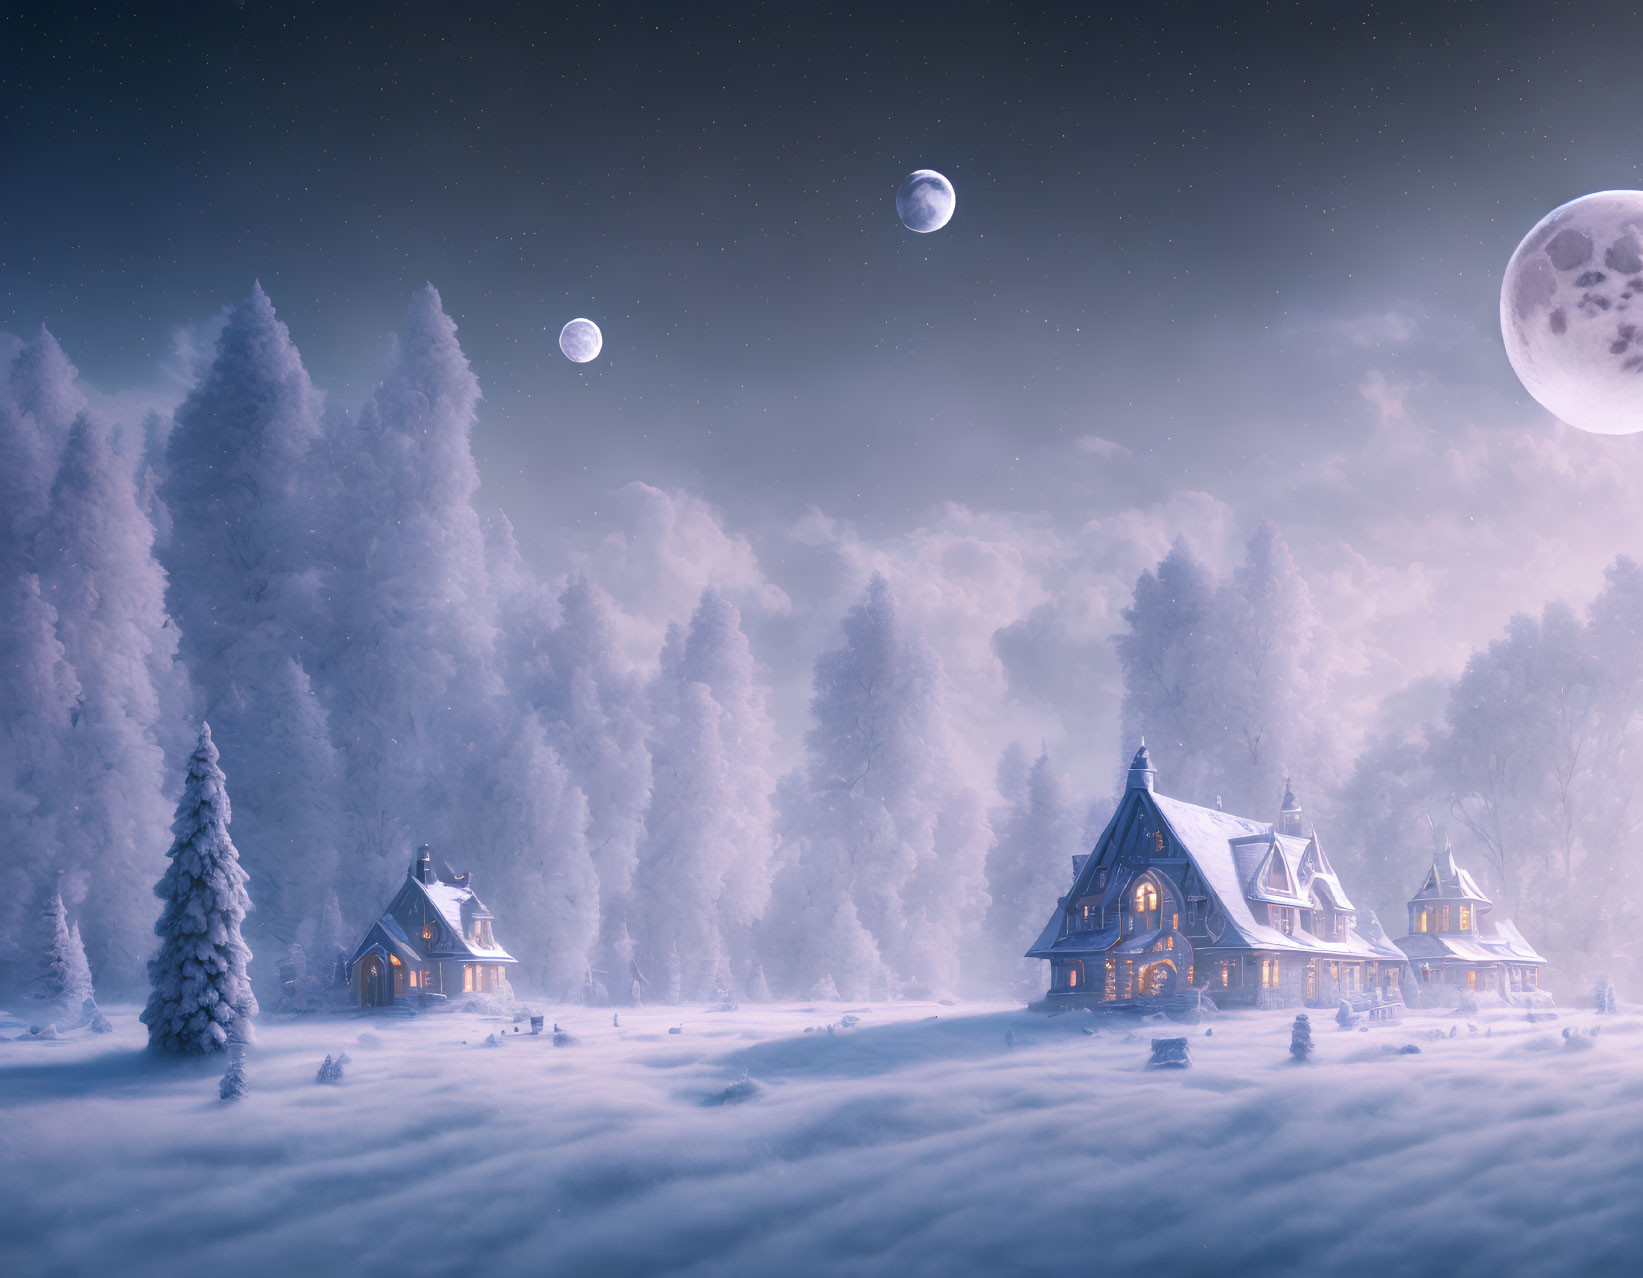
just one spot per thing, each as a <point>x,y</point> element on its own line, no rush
<point>1210,263</point>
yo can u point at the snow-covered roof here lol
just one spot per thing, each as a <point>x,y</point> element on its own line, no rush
<point>387,933</point>
<point>1504,945</point>
<point>458,905</point>
<point>1209,836</point>
<point>1447,881</point>
<point>1233,855</point>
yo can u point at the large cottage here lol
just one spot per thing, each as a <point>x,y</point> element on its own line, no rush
<point>1176,896</point>
<point>1455,941</point>
<point>434,937</point>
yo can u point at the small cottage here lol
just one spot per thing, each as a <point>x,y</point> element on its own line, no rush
<point>1455,941</point>
<point>435,937</point>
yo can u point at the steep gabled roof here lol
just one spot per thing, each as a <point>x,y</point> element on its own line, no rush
<point>1446,881</point>
<point>456,905</point>
<point>1232,856</point>
<point>1217,842</point>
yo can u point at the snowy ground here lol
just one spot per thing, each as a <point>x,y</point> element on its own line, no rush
<point>916,1142</point>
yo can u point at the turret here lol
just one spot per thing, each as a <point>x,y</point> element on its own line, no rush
<point>1142,773</point>
<point>1289,815</point>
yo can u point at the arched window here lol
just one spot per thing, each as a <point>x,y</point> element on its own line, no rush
<point>1145,900</point>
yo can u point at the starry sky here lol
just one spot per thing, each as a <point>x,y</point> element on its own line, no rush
<point>1210,263</point>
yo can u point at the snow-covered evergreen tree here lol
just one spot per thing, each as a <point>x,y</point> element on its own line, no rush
<point>65,981</point>
<point>882,877</point>
<point>239,488</point>
<point>94,552</point>
<point>1164,655</point>
<point>1271,660</point>
<point>703,877</point>
<point>412,679</point>
<point>39,692</point>
<point>1230,682</point>
<point>563,663</point>
<point>537,821</point>
<point>1035,836</point>
<point>201,989</point>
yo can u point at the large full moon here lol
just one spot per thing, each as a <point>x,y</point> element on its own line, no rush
<point>925,201</point>
<point>1571,311</point>
<point>581,341</point>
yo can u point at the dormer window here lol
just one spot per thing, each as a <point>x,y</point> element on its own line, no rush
<point>1466,918</point>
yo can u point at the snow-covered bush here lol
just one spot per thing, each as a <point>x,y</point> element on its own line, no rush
<point>1300,1039</point>
<point>201,990</point>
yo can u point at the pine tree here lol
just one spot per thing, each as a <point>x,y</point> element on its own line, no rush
<point>242,561</point>
<point>1035,837</point>
<point>66,980</point>
<point>95,552</point>
<point>201,988</point>
<point>883,878</point>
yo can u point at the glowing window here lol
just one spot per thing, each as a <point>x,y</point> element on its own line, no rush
<point>1472,980</point>
<point>1146,898</point>
<point>1466,918</point>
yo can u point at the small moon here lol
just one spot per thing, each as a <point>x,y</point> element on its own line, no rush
<point>925,201</point>
<point>581,341</point>
<point>1571,312</point>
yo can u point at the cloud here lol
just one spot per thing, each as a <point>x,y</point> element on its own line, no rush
<point>1096,446</point>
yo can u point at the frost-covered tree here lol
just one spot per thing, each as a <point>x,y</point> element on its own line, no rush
<point>1271,661</point>
<point>703,877</point>
<point>201,989</point>
<point>95,555</point>
<point>1164,656</point>
<point>1388,817</point>
<point>1230,681</point>
<point>538,821</point>
<point>563,662</point>
<point>412,675</point>
<point>238,486</point>
<point>1034,836</point>
<point>65,981</point>
<point>881,883</point>
<point>38,688</point>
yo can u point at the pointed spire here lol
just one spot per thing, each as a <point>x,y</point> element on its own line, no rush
<point>1289,814</point>
<point>1142,774</point>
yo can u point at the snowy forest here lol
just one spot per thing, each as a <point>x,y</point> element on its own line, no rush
<point>381,667</point>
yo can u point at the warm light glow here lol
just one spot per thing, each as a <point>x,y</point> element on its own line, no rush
<point>1146,898</point>
<point>1466,918</point>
